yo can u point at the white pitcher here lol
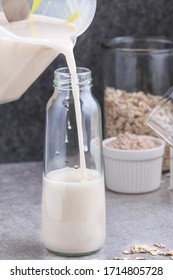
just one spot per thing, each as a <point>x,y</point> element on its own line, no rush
<point>29,32</point>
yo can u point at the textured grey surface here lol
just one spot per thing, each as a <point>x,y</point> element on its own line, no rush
<point>22,122</point>
<point>131,219</point>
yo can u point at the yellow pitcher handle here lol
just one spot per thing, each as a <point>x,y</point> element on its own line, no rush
<point>73,6</point>
<point>74,11</point>
<point>35,5</point>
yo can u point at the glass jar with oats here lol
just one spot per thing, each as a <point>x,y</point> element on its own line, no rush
<point>137,72</point>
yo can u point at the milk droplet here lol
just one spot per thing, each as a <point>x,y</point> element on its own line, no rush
<point>69,125</point>
<point>86,148</point>
<point>76,166</point>
<point>66,139</point>
<point>66,104</point>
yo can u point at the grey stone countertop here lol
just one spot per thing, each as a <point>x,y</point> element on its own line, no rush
<point>131,219</point>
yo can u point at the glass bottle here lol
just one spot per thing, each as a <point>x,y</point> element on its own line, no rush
<point>73,181</point>
<point>137,72</point>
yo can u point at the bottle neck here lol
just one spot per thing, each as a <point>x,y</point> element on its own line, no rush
<point>63,79</point>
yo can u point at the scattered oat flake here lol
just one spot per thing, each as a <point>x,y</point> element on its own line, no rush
<point>143,248</point>
<point>119,258</point>
<point>127,252</point>
<point>154,253</point>
<point>168,252</point>
<point>159,245</point>
<point>140,258</point>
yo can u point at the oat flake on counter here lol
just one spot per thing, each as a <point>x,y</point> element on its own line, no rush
<point>145,249</point>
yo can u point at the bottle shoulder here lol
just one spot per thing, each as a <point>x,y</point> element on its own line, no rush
<point>63,100</point>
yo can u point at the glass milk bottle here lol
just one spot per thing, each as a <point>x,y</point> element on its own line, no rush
<point>73,198</point>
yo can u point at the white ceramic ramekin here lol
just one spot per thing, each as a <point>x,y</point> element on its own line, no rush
<point>133,171</point>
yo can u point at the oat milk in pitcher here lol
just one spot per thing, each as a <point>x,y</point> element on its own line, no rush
<point>29,45</point>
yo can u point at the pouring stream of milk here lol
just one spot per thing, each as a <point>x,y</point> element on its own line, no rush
<point>27,47</point>
<point>76,95</point>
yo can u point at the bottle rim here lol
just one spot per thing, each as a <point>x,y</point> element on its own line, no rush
<point>63,77</point>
